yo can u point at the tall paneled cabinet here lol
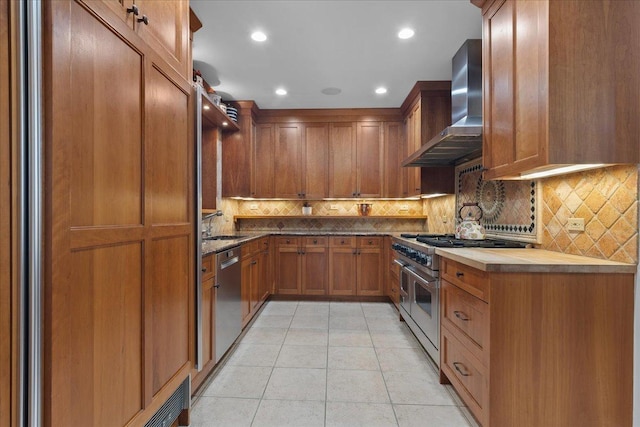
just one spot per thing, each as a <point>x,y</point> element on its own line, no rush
<point>119,245</point>
<point>561,84</point>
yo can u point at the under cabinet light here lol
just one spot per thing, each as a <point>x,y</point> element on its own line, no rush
<point>560,170</point>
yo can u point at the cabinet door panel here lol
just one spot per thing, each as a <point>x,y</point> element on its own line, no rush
<point>167,31</point>
<point>342,160</point>
<point>96,356</point>
<point>370,272</point>
<point>369,156</point>
<point>168,302</point>
<point>342,271</point>
<point>288,271</point>
<point>169,149</point>
<point>263,161</point>
<point>499,104</point>
<point>288,170</point>
<point>316,160</point>
<point>245,289</point>
<point>395,175</point>
<point>105,168</point>
<point>314,271</point>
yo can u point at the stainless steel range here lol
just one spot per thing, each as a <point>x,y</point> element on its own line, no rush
<point>420,281</point>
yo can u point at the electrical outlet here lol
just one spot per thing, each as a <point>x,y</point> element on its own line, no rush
<point>445,219</point>
<point>404,207</point>
<point>253,206</point>
<point>575,224</point>
<point>334,207</point>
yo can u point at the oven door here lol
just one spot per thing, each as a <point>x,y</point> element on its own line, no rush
<point>405,295</point>
<point>425,305</point>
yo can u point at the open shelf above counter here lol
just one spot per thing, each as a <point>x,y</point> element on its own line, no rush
<point>213,116</point>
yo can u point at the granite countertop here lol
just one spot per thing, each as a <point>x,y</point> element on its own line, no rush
<point>531,261</point>
<point>213,246</point>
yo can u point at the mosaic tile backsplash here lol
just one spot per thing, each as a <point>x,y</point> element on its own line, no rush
<point>607,199</point>
<point>509,208</point>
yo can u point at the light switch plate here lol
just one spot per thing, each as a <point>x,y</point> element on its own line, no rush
<point>253,206</point>
<point>404,207</point>
<point>575,224</point>
<point>334,207</point>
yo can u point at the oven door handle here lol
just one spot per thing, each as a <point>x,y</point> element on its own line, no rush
<point>400,263</point>
<point>429,284</point>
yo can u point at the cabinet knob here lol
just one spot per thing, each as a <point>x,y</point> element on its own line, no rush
<point>342,242</point>
<point>204,269</point>
<point>315,241</point>
<point>459,274</point>
<point>371,242</point>
<point>133,9</point>
<point>288,241</point>
<point>144,20</point>
<point>460,315</point>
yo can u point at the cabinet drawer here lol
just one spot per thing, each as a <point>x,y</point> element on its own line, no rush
<point>347,241</point>
<point>249,249</point>
<point>315,241</point>
<point>208,269</point>
<point>370,242</point>
<point>472,280</point>
<point>466,314</point>
<point>466,374</point>
<point>263,244</point>
<point>287,241</point>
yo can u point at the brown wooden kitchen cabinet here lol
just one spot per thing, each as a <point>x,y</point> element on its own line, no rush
<point>262,173</point>
<point>301,265</point>
<point>394,174</point>
<point>392,285</point>
<point>162,25</point>
<point>118,339</point>
<point>254,277</point>
<point>356,159</point>
<point>557,79</point>
<point>355,266</point>
<point>208,322</point>
<point>238,154</point>
<point>531,349</point>
<point>427,111</point>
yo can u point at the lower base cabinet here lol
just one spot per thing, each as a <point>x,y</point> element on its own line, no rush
<point>255,283</point>
<point>333,266</point>
<point>208,322</point>
<point>538,349</point>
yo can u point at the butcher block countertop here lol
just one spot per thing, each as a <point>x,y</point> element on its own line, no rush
<point>531,261</point>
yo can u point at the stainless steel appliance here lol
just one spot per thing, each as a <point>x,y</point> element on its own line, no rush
<point>462,141</point>
<point>228,305</point>
<point>420,281</point>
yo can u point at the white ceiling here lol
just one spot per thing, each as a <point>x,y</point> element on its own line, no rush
<point>312,45</point>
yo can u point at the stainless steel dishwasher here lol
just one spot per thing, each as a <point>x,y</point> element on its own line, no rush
<point>228,308</point>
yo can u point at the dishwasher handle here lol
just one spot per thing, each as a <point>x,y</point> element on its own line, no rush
<point>229,262</point>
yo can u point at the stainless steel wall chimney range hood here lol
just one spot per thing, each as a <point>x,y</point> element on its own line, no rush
<point>462,141</point>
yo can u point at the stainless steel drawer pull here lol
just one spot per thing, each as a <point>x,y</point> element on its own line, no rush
<point>464,373</point>
<point>460,315</point>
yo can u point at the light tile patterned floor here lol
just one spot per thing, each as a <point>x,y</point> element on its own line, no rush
<point>308,364</point>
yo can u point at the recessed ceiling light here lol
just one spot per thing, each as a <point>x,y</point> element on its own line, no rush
<point>381,90</point>
<point>258,36</point>
<point>331,90</point>
<point>281,92</point>
<point>225,123</point>
<point>406,33</point>
<point>206,107</point>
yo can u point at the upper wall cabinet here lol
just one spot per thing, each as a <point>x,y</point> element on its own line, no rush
<point>427,111</point>
<point>561,84</point>
<point>163,25</point>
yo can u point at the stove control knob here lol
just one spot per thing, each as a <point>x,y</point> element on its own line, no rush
<point>428,260</point>
<point>396,246</point>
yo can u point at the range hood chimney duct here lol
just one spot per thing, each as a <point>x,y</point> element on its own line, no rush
<point>462,141</point>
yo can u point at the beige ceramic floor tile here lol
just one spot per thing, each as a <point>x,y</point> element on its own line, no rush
<point>239,381</point>
<point>356,386</point>
<point>302,356</point>
<point>363,358</point>
<point>289,413</point>
<point>431,416</point>
<point>297,384</point>
<point>223,411</point>
<point>273,336</point>
<point>254,355</point>
<point>272,321</point>
<point>416,388</point>
<point>306,337</point>
<point>347,322</point>
<point>349,414</point>
<point>349,338</point>
<point>345,309</point>
<point>314,321</point>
